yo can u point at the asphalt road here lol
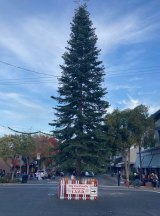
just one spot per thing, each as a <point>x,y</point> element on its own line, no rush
<point>41,200</point>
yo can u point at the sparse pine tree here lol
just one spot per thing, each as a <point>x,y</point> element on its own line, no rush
<point>81,103</point>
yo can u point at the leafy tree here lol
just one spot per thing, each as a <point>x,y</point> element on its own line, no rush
<point>10,149</point>
<point>130,127</point>
<point>111,128</point>
<point>81,103</point>
<point>13,146</point>
<point>27,147</point>
<point>120,137</point>
<point>143,128</point>
<point>46,147</point>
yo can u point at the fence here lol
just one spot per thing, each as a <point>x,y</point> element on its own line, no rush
<point>85,189</point>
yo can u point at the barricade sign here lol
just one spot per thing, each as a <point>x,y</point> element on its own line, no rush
<point>93,191</point>
<point>87,189</point>
<point>77,189</point>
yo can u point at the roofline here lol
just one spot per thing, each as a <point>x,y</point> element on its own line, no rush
<point>156,114</point>
<point>150,149</point>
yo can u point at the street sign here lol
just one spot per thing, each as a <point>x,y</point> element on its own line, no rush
<point>75,190</point>
<point>78,189</point>
<point>93,191</point>
<point>38,156</point>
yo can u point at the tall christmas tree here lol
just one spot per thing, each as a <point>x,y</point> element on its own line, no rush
<point>81,105</point>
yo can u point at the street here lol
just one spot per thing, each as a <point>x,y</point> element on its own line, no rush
<point>41,199</point>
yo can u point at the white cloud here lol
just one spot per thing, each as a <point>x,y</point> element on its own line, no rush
<point>114,87</point>
<point>153,108</point>
<point>15,99</point>
<point>12,115</point>
<point>110,109</point>
<point>36,41</point>
<point>131,103</point>
<point>17,108</point>
<point>128,29</point>
<point>4,130</point>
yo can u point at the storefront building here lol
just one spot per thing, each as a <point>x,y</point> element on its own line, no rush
<point>151,157</point>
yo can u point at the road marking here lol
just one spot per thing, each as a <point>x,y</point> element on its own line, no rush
<point>122,188</point>
<point>53,185</point>
<point>27,186</point>
<point>51,194</point>
<point>52,182</point>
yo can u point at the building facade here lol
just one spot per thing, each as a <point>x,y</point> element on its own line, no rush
<point>151,157</point>
<point>156,117</point>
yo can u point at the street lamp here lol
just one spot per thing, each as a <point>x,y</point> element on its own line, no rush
<point>38,160</point>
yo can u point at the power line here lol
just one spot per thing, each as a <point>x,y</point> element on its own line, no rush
<point>28,82</point>
<point>17,131</point>
<point>36,132</point>
<point>136,73</point>
<point>149,68</point>
<point>141,68</point>
<point>110,74</point>
<point>26,78</point>
<point>21,132</point>
<point>50,80</point>
<point>22,68</point>
<point>23,83</point>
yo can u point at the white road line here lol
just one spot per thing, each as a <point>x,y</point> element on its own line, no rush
<point>121,188</point>
<point>51,194</point>
<point>53,185</point>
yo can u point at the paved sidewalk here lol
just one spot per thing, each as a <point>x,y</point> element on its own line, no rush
<point>103,180</point>
<point>108,180</point>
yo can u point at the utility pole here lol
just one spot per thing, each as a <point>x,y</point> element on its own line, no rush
<point>79,1</point>
<point>140,158</point>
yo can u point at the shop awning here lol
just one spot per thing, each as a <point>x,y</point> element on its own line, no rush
<point>146,160</point>
<point>121,164</point>
<point>155,163</point>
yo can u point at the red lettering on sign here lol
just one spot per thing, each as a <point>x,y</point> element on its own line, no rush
<point>78,191</point>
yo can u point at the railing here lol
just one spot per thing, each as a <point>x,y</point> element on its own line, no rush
<point>85,189</point>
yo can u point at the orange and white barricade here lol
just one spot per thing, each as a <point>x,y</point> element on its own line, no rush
<point>87,189</point>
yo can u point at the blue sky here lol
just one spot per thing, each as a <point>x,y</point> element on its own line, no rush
<point>34,35</point>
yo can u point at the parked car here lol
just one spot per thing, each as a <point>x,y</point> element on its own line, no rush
<point>59,173</point>
<point>43,174</point>
<point>87,173</point>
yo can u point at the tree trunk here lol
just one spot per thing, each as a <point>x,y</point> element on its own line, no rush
<point>140,162</point>
<point>78,168</point>
<point>127,163</point>
<point>27,161</point>
<point>129,160</point>
<point>13,172</point>
<point>20,168</point>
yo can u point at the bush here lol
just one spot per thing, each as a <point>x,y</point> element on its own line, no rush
<point>5,179</point>
<point>131,176</point>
